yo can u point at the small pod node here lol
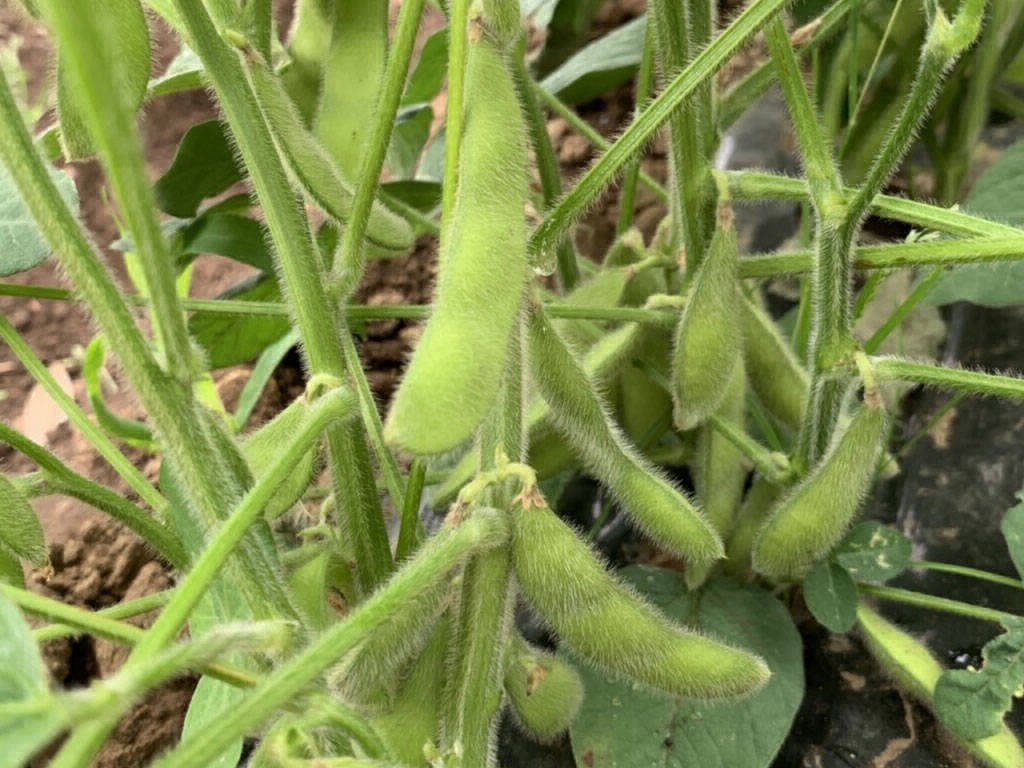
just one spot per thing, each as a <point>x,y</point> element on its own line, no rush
<point>709,334</point>
<point>657,508</point>
<point>545,691</point>
<point>810,520</point>
<point>453,378</point>
<point>776,376</point>
<point>609,624</point>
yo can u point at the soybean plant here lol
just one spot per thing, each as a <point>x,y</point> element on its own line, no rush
<point>742,450</point>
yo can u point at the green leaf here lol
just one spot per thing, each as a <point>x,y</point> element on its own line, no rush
<point>20,531</point>
<point>268,361</point>
<point>235,237</point>
<point>972,703</point>
<point>831,596</point>
<point>423,195</point>
<point>624,725</point>
<point>184,73</point>
<point>410,134</point>
<point>10,570</point>
<point>22,679</point>
<point>606,63</point>
<point>212,698</point>
<point>126,37</point>
<point>234,339</point>
<point>425,81</point>
<point>1013,532</point>
<point>203,166</point>
<point>874,552</point>
<point>998,194</point>
<point>22,245</point>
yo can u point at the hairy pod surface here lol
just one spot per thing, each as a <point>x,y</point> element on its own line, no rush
<point>721,468</point>
<point>709,335</point>
<point>325,183</point>
<point>456,370</point>
<point>545,691</point>
<point>660,510</point>
<point>609,624</point>
<point>805,525</point>
<point>262,447</point>
<point>776,376</point>
<point>749,520</point>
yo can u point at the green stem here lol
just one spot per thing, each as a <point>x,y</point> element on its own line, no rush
<point>304,288</point>
<point>971,382</point>
<point>962,570</point>
<point>931,602</point>
<point>884,460</point>
<point>410,532</point>
<point>458,20</point>
<point>97,439</point>
<point>632,142</point>
<point>432,563</point>
<point>771,464</point>
<point>906,306</point>
<point>350,260</point>
<point>125,610</point>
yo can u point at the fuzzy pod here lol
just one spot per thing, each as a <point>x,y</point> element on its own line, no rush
<point>775,374</point>
<point>455,373</point>
<point>659,509</point>
<point>708,341</point>
<point>352,79</point>
<point>758,502</point>
<point>413,721</point>
<point>645,404</point>
<point>545,691</point>
<point>812,518</point>
<point>913,668</point>
<point>721,468</point>
<point>326,184</point>
<point>609,624</point>
<point>262,447</point>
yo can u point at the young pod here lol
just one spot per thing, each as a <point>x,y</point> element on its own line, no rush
<point>315,171</point>
<point>709,334</point>
<point>659,509</point>
<point>749,520</point>
<point>610,625</point>
<point>456,370</point>
<point>262,447</point>
<point>776,376</point>
<point>805,525</point>
<point>721,468</point>
<point>545,691</point>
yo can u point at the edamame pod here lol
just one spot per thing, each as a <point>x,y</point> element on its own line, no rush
<point>776,376</point>
<point>709,334</point>
<point>658,509</point>
<point>805,525</point>
<point>315,171</point>
<point>755,508</point>
<point>453,378</point>
<point>545,691</point>
<point>609,624</point>
<point>262,447</point>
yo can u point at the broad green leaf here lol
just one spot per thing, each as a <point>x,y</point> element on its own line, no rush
<point>972,703</point>
<point>874,552</point>
<point>225,234</point>
<point>423,195</point>
<point>410,134</point>
<point>22,679</point>
<point>268,361</point>
<point>184,73</point>
<point>831,596</point>
<point>601,66</point>
<point>432,165</point>
<point>203,166</point>
<point>626,726</point>
<point>22,245</point>
<point>565,26</point>
<point>998,194</point>
<point>425,81</point>
<point>10,570</point>
<point>126,37</point>
<point>1013,532</point>
<point>212,698</point>
<point>20,532</point>
<point>233,339</point>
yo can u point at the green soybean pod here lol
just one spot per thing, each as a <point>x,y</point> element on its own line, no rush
<point>456,370</point>
<point>609,624</point>
<point>805,525</point>
<point>352,79</point>
<point>721,468</point>
<point>709,335</point>
<point>309,40</point>
<point>262,447</point>
<point>325,183</point>
<point>749,520</point>
<point>776,376</point>
<point>912,666</point>
<point>545,691</point>
<point>659,509</point>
